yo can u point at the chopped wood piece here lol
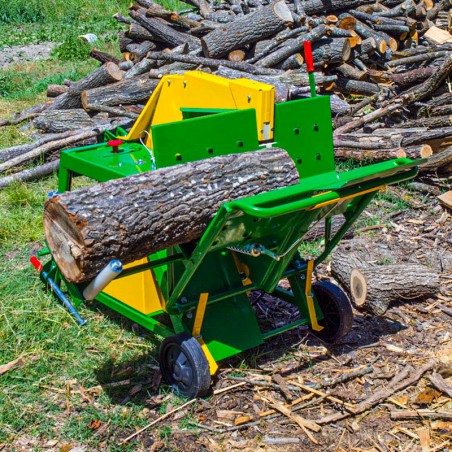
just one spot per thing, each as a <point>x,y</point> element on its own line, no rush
<point>421,414</point>
<point>56,90</point>
<point>436,35</point>
<point>446,199</point>
<point>380,395</point>
<point>377,287</point>
<point>440,384</point>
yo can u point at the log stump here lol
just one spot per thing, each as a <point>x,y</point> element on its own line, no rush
<point>375,288</point>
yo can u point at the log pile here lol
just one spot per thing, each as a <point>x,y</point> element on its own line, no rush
<point>385,65</point>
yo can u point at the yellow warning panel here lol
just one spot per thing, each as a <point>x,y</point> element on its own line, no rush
<point>140,290</point>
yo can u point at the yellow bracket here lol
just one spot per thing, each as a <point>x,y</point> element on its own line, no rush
<point>242,268</point>
<point>196,332</point>
<point>309,298</point>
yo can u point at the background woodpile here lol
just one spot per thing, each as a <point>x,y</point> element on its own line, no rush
<point>385,64</point>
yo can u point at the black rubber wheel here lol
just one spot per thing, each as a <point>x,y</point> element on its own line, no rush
<point>337,312</point>
<point>184,365</point>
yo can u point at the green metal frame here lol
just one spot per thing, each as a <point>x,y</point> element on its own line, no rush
<point>275,220</point>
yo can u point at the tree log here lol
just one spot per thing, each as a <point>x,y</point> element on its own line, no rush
<point>56,90</point>
<point>104,75</point>
<point>347,86</point>
<point>45,148</point>
<point>292,46</point>
<point>126,92</point>
<point>132,217</point>
<point>331,50</point>
<point>369,155</point>
<point>141,51</point>
<point>66,102</point>
<point>313,7</point>
<point>137,33</point>
<point>163,32</point>
<point>37,172</point>
<point>375,288</point>
<point>253,27</point>
<point>56,121</point>
<point>440,162</point>
<point>103,57</point>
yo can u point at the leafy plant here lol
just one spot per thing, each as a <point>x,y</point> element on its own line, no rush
<point>72,49</point>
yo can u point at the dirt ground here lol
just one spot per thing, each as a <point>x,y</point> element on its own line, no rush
<point>410,342</point>
<point>10,55</point>
<point>369,392</point>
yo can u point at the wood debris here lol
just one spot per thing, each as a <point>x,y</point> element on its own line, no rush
<point>385,66</point>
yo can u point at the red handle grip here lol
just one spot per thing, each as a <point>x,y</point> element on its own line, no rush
<point>308,56</point>
<point>35,262</point>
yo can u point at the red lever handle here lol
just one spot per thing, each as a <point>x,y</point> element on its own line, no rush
<point>308,56</point>
<point>35,262</point>
<point>114,144</point>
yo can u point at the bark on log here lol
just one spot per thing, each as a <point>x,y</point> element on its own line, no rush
<point>56,90</point>
<point>15,151</point>
<point>313,7</point>
<point>126,92</point>
<point>420,151</point>
<point>112,111</point>
<point>141,51</point>
<point>137,33</point>
<point>163,32</point>
<point>87,228</point>
<point>124,41</point>
<point>347,86</point>
<point>440,162</point>
<point>331,51</point>
<point>56,121</point>
<point>253,27</point>
<point>104,75</point>
<point>375,288</point>
<point>370,155</point>
<point>45,148</point>
<point>31,174</point>
<point>103,57</point>
<point>351,72</point>
<point>66,102</point>
<point>292,46</point>
<point>212,62</point>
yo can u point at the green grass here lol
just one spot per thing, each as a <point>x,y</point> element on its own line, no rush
<point>37,21</point>
<point>54,350</point>
<point>42,397</point>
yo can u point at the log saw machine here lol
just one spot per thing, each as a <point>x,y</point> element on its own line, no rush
<point>196,296</point>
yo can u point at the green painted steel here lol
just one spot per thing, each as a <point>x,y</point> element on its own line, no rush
<point>204,137</point>
<point>147,321</point>
<point>304,129</point>
<point>190,113</point>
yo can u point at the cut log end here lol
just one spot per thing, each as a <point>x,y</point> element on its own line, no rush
<point>358,287</point>
<point>66,245</point>
<point>114,70</point>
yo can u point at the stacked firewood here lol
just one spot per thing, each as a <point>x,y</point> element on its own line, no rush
<point>385,65</point>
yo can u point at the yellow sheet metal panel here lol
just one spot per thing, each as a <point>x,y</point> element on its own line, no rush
<point>197,89</point>
<point>140,291</point>
<point>260,96</point>
<point>144,120</point>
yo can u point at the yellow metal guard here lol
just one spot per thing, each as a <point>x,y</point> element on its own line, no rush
<point>196,332</point>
